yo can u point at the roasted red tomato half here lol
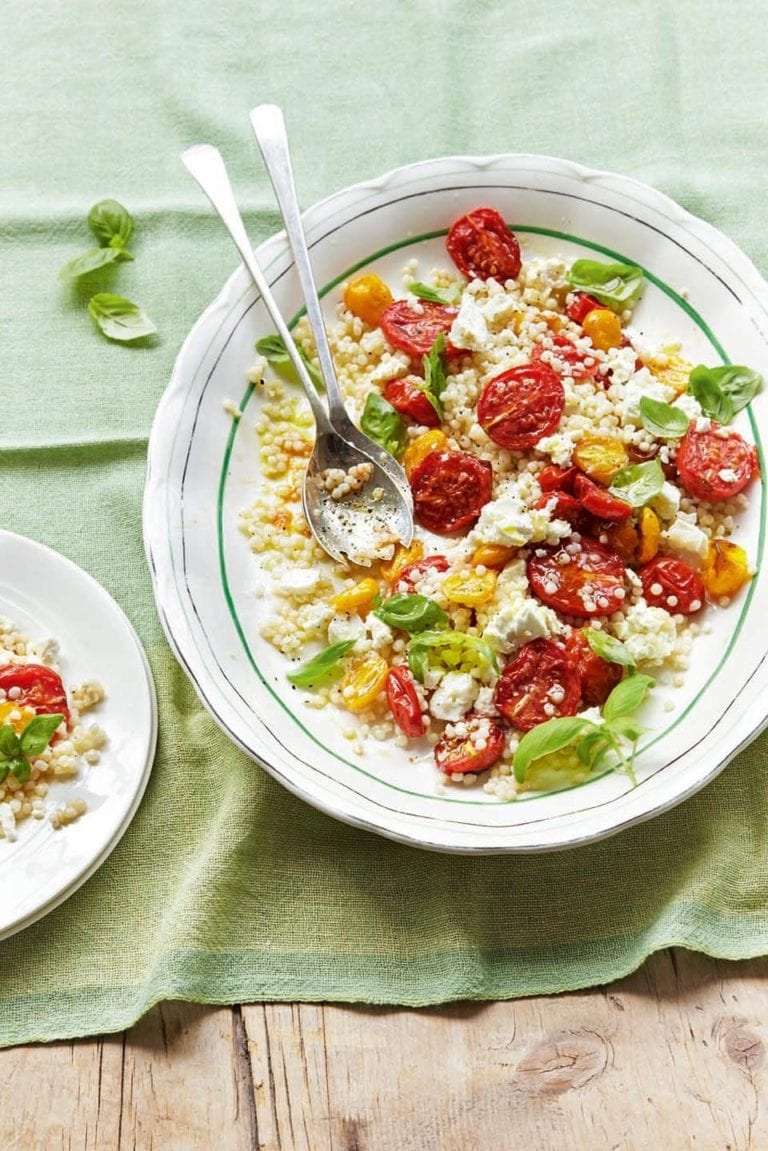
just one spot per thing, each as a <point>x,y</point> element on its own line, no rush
<point>586,581</point>
<point>39,687</point>
<point>566,507</point>
<point>597,676</point>
<point>555,479</point>
<point>408,397</point>
<point>414,573</point>
<point>414,330</point>
<point>403,700</point>
<point>576,364</point>
<point>671,584</point>
<point>482,246</point>
<point>599,502</point>
<point>450,490</point>
<point>521,406</point>
<point>540,683</point>
<point>580,306</point>
<point>713,466</point>
<point>475,751</point>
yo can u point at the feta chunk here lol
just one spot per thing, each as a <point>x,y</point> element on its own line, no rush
<point>690,405</point>
<point>685,540</point>
<point>667,502</point>
<point>380,633</point>
<point>642,383</point>
<point>504,521</point>
<point>344,627</point>
<point>469,330</point>
<point>484,702</point>
<point>454,696</point>
<point>298,581</point>
<point>648,633</point>
<point>518,622</point>
<point>558,447</point>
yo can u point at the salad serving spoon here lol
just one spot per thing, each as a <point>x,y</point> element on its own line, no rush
<point>357,506</point>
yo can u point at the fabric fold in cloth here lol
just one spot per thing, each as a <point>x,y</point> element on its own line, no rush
<point>227,888</point>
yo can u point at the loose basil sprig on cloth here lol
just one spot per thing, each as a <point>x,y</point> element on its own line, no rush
<point>617,285</point>
<point>17,750</point>
<point>723,392</point>
<point>274,351</point>
<point>120,319</point>
<point>593,743</point>
<point>383,424</point>
<point>323,666</point>
<point>662,420</point>
<point>112,225</point>
<point>447,296</point>
<point>412,613</point>
<point>638,483</point>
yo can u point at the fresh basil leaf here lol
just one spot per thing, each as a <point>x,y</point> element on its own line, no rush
<point>449,297</point>
<point>450,650</point>
<point>552,735</point>
<point>37,734</point>
<point>275,353</point>
<point>118,318</point>
<point>4,769</point>
<point>383,424</point>
<point>714,402</point>
<point>626,726</point>
<point>608,647</point>
<point>91,261</point>
<point>592,748</point>
<point>322,666</point>
<point>555,771</point>
<point>617,285</point>
<point>20,768</point>
<point>739,383</point>
<point>111,223</point>
<point>638,483</point>
<point>627,696</point>
<point>435,379</point>
<point>10,747</point>
<point>662,420</point>
<point>412,613</point>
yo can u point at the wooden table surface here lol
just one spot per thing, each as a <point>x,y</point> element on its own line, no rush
<point>669,1058</point>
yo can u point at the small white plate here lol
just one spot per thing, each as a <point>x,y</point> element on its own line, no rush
<point>203,469</point>
<point>47,596</point>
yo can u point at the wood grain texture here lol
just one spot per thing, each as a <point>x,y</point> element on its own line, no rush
<point>673,1057</point>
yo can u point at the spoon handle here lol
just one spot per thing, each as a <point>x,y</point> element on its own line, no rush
<point>269,128</point>
<point>206,166</point>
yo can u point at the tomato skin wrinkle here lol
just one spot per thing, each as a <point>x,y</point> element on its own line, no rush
<point>415,331</point>
<point>703,455</point>
<point>450,490</point>
<point>540,683</point>
<point>599,502</point>
<point>403,701</point>
<point>597,676</point>
<point>409,398</point>
<point>519,407</point>
<point>586,584</point>
<point>677,581</point>
<point>482,246</point>
<point>457,755</point>
<point>41,688</point>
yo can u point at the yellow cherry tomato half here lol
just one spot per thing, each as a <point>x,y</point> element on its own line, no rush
<point>26,714</point>
<point>471,588</point>
<point>725,569</point>
<point>367,297</point>
<point>401,560</point>
<point>357,598</point>
<point>603,328</point>
<point>432,441</point>
<point>363,681</point>
<point>492,556</point>
<point>672,370</point>
<point>601,457</point>
<point>650,530</point>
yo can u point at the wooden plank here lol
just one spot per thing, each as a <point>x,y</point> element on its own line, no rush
<point>673,1057</point>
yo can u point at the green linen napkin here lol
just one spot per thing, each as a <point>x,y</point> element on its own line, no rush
<point>226,888</point>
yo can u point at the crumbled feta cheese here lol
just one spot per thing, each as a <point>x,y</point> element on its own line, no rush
<point>469,329</point>
<point>667,502</point>
<point>505,521</point>
<point>727,475</point>
<point>519,622</point>
<point>380,633</point>
<point>621,362</point>
<point>648,633</point>
<point>642,383</point>
<point>43,650</point>
<point>298,581</point>
<point>558,447</point>
<point>685,540</point>
<point>688,404</point>
<point>484,702</point>
<point>454,696</point>
<point>703,424</point>
<point>345,627</point>
<point>390,367</point>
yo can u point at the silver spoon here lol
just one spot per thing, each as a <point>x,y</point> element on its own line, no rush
<point>357,525</point>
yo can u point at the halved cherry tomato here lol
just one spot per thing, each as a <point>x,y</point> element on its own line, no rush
<point>600,502</point>
<point>482,246</point>
<point>726,568</point>
<point>650,533</point>
<point>671,584</point>
<point>412,575</point>
<point>492,555</point>
<point>450,490</point>
<point>403,701</point>
<point>408,397</point>
<point>624,538</point>
<point>40,688</point>
<point>555,479</point>
<point>714,467</point>
<point>566,507</point>
<point>603,328</point>
<point>471,588</point>
<point>597,676</point>
<point>477,750</point>
<point>521,406</point>
<point>587,583</point>
<point>600,457</point>
<point>421,447</point>
<point>565,352</point>
<point>415,331</point>
<point>402,559</point>
<point>580,306</point>
<point>367,297</point>
<point>540,683</point>
<point>363,681</point>
<point>356,598</point>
